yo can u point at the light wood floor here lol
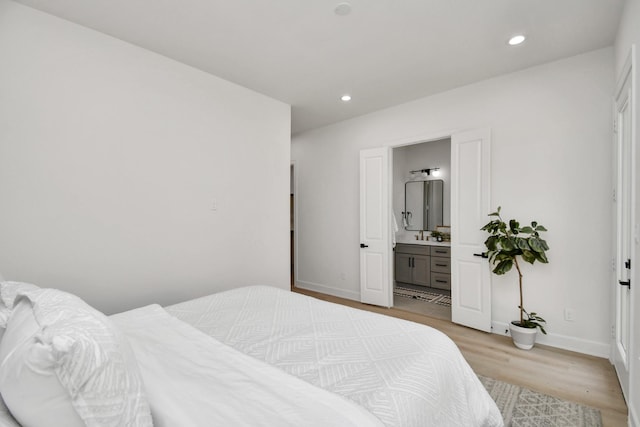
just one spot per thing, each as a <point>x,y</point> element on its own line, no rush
<point>564,374</point>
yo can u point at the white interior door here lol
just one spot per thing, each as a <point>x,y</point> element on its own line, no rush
<point>470,205</point>
<point>375,228</point>
<point>624,228</point>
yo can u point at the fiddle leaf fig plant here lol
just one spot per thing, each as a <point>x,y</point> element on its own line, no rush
<point>509,242</point>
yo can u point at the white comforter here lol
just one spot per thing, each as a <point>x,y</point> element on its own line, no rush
<point>404,373</point>
<point>194,380</point>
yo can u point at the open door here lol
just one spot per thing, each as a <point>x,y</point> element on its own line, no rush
<point>470,205</point>
<point>375,227</point>
<point>625,178</point>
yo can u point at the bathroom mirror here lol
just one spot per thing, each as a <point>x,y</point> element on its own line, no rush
<point>423,205</point>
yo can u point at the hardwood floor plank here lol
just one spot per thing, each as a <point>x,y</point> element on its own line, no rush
<point>568,375</point>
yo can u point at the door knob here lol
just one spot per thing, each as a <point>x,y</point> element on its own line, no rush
<point>482,255</point>
<point>362,245</point>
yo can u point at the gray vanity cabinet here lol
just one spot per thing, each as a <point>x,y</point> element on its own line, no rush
<point>423,265</point>
<point>413,264</point>
<point>421,270</point>
<point>441,267</point>
<point>404,271</point>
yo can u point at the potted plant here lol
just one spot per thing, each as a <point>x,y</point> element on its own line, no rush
<point>507,244</point>
<point>437,236</point>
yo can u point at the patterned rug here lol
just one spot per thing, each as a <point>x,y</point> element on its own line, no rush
<point>525,408</point>
<point>427,296</point>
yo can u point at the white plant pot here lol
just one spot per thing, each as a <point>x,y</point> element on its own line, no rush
<point>523,338</point>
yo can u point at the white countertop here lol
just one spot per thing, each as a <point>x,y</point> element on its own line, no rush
<point>413,241</point>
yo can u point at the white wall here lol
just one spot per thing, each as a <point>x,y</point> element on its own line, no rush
<point>629,34</point>
<point>111,158</point>
<point>551,157</point>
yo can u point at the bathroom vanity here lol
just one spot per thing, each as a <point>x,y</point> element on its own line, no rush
<point>424,264</point>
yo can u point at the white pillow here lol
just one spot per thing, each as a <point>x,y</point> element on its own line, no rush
<point>8,291</point>
<point>65,364</point>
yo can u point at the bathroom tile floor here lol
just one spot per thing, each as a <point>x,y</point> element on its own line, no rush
<point>423,307</point>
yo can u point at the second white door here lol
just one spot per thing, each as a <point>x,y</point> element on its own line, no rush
<point>470,205</point>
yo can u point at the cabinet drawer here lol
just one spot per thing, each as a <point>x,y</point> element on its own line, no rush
<point>441,265</point>
<point>441,281</point>
<point>412,249</point>
<point>443,251</point>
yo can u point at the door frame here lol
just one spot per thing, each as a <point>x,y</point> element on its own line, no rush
<point>426,138</point>
<point>293,171</point>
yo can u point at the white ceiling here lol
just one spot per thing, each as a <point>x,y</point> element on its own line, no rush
<point>383,53</point>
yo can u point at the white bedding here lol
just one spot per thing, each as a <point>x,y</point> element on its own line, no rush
<point>193,380</point>
<point>280,358</point>
<point>404,373</point>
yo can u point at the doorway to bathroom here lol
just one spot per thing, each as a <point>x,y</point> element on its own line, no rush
<point>470,275</point>
<point>421,205</point>
<point>459,266</point>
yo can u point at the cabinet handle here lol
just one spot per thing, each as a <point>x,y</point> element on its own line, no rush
<point>413,262</point>
<point>409,259</point>
<point>441,265</point>
<point>441,281</point>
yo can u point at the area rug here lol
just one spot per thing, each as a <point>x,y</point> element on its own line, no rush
<point>525,408</point>
<point>427,296</point>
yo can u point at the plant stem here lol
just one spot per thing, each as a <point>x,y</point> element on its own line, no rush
<point>515,260</point>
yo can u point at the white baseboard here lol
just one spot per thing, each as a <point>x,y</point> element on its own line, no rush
<point>323,289</point>
<point>553,340</point>
<point>579,345</point>
<point>634,421</point>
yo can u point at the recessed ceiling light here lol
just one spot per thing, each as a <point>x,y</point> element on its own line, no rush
<point>346,97</point>
<point>516,40</point>
<point>342,9</point>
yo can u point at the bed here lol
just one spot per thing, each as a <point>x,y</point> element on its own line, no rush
<point>254,356</point>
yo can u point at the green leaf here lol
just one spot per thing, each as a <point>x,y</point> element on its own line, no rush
<point>503,266</point>
<point>542,257</point>
<point>522,243</point>
<point>526,229</point>
<point>529,256</point>
<point>540,228</point>
<point>534,224</point>
<point>544,244</point>
<point>535,244</point>
<point>491,243</point>
<point>507,243</point>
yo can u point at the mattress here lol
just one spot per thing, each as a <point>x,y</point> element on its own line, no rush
<point>404,373</point>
